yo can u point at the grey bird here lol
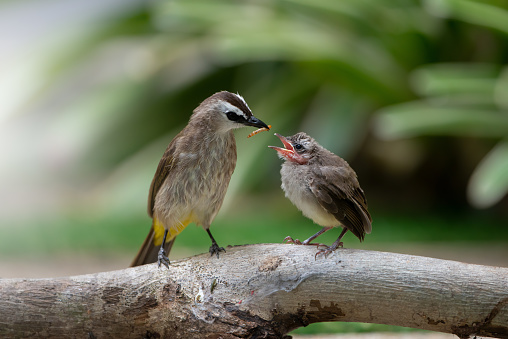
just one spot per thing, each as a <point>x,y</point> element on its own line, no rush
<point>324,187</point>
<point>194,173</point>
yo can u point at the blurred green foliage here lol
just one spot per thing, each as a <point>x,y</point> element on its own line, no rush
<point>458,100</point>
<point>82,234</point>
<point>412,93</point>
<point>421,68</point>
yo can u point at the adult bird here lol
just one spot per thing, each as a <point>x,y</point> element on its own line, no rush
<point>193,175</point>
<point>324,187</point>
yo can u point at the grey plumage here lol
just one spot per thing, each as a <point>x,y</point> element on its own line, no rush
<point>324,187</point>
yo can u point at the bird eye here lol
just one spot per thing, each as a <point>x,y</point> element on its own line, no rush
<point>233,116</point>
<point>298,147</point>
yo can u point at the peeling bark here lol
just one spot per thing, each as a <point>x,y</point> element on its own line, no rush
<point>260,291</point>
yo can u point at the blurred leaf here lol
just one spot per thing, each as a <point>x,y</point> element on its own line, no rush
<point>369,17</point>
<point>501,90</point>
<point>135,24</point>
<point>474,12</point>
<point>275,33</point>
<point>489,182</point>
<point>448,79</point>
<point>418,118</point>
<point>345,115</point>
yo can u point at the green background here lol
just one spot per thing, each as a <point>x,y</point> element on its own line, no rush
<point>413,94</point>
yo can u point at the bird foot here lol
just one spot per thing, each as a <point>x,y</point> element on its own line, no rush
<point>162,258</point>
<point>290,240</point>
<point>215,249</point>
<point>328,249</point>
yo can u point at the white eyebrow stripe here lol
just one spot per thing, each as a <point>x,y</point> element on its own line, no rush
<point>241,98</point>
<point>229,107</point>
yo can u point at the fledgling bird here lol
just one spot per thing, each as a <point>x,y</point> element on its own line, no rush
<point>324,187</point>
<point>193,175</point>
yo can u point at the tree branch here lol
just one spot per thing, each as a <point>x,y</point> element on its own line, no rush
<point>260,290</point>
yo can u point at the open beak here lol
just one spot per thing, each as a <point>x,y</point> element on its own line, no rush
<point>255,122</point>
<point>288,152</point>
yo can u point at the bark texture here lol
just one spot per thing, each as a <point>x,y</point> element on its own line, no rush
<point>260,291</point>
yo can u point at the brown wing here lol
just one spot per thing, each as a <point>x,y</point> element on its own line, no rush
<point>337,190</point>
<point>166,164</point>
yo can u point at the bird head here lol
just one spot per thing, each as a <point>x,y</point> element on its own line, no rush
<point>298,148</point>
<point>225,111</point>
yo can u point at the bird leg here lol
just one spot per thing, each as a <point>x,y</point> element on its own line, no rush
<point>337,243</point>
<point>290,240</point>
<point>161,257</point>
<point>214,249</point>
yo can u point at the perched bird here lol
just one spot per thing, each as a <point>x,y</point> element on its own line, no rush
<point>324,187</point>
<point>193,175</point>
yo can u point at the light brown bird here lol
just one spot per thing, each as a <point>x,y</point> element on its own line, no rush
<point>324,187</point>
<point>193,175</point>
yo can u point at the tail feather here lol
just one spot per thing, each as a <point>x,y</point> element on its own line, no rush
<point>148,253</point>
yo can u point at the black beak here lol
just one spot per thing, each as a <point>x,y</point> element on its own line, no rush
<point>255,122</point>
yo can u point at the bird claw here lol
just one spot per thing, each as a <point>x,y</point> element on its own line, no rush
<point>162,258</point>
<point>290,240</point>
<point>328,249</point>
<point>215,249</point>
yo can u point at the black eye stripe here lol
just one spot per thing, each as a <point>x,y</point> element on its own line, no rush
<point>234,116</point>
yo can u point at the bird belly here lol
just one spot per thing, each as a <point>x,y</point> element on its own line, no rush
<point>313,210</point>
<point>195,192</point>
<point>301,196</point>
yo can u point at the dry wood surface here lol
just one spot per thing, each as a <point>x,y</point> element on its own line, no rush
<point>263,290</point>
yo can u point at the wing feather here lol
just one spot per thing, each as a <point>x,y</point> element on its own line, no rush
<point>166,165</point>
<point>338,191</point>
